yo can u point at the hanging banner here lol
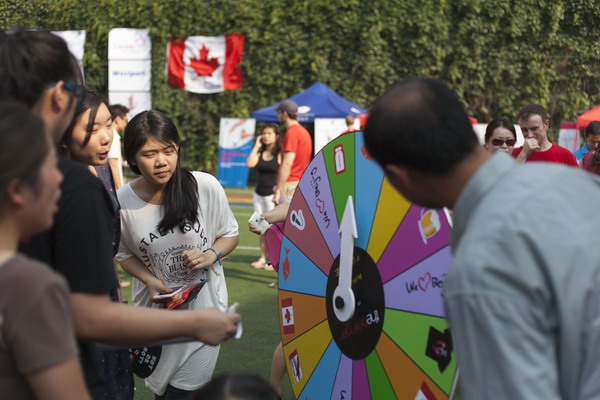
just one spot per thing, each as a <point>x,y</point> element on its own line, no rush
<point>130,75</point>
<point>568,136</point>
<point>76,43</point>
<point>236,138</point>
<point>130,69</point>
<point>205,64</point>
<point>136,102</point>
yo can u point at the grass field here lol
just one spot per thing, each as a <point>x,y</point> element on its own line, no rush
<point>258,307</point>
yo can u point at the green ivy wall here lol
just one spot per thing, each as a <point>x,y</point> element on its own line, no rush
<point>498,54</point>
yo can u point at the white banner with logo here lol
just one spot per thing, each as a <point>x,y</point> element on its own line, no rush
<point>136,102</point>
<point>129,69</point>
<point>76,43</point>
<point>129,75</point>
<point>236,138</point>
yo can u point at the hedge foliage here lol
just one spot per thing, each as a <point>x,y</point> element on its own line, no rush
<point>497,54</point>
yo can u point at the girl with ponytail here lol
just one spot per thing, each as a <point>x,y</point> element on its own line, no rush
<point>176,229</point>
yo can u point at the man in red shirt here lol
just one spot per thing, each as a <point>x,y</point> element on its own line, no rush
<point>534,123</point>
<point>296,150</point>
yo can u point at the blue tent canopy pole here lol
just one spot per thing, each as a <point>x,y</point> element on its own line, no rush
<point>316,101</point>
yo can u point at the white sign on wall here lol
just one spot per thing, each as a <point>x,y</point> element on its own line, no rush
<point>568,137</point>
<point>129,75</point>
<point>76,44</point>
<point>130,69</point>
<point>327,129</point>
<point>136,102</point>
<point>129,44</point>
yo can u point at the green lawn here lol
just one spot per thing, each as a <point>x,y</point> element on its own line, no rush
<point>258,307</point>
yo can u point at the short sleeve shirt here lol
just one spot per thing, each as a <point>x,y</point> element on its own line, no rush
<point>36,330</point>
<point>297,140</point>
<point>555,154</point>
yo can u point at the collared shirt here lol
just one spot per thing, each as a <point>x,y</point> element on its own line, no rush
<point>581,152</point>
<point>523,292</point>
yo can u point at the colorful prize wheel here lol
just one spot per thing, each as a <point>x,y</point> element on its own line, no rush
<point>360,285</point>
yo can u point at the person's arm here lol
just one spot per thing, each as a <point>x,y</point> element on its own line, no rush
<point>277,214</point>
<point>63,381</point>
<point>254,156</point>
<point>114,168</point>
<point>134,267</point>
<point>97,318</point>
<point>197,259</point>
<point>284,172</point>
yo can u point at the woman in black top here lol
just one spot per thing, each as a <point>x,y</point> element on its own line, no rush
<point>87,141</point>
<point>265,157</point>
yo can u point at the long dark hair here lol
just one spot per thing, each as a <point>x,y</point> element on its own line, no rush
<point>92,102</point>
<point>277,147</point>
<point>180,198</point>
<point>30,61</point>
<point>25,146</point>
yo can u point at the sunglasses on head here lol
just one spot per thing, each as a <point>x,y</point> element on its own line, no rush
<point>500,142</point>
<point>77,90</point>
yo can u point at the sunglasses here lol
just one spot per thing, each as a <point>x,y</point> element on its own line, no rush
<point>500,142</point>
<point>77,90</point>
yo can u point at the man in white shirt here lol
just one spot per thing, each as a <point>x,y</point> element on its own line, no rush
<point>115,156</point>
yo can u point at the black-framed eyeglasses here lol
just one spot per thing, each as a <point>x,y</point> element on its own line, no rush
<point>500,142</point>
<point>77,90</point>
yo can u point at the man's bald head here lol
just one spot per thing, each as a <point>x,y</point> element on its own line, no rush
<point>420,123</point>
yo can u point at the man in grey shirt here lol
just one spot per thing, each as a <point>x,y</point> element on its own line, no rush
<point>523,292</point>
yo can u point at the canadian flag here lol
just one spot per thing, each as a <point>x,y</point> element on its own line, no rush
<point>206,64</point>
<point>287,316</point>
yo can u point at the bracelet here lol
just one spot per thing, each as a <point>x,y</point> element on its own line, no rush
<point>219,255</point>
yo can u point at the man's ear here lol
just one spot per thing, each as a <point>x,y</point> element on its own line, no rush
<point>400,177</point>
<point>15,193</point>
<point>59,97</point>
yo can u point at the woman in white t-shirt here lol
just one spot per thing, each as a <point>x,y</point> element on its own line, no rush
<point>176,228</point>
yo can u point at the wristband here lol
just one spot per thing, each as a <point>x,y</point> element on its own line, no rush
<point>219,255</point>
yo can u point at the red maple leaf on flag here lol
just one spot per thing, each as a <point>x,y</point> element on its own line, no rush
<point>288,316</point>
<point>204,66</point>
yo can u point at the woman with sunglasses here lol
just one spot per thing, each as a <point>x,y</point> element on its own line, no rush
<point>500,134</point>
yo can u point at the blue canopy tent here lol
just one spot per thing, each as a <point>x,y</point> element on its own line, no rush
<point>316,101</point>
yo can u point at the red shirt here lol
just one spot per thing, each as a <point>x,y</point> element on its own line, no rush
<point>554,154</point>
<point>297,140</point>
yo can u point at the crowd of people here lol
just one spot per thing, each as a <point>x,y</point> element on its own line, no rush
<point>522,291</point>
<point>521,294</point>
<point>49,346</point>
